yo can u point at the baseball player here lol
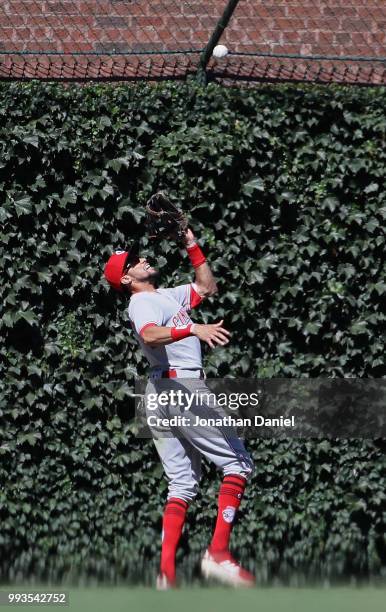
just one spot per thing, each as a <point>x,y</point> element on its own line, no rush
<point>160,319</point>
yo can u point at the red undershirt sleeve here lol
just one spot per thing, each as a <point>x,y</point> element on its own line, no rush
<point>195,297</point>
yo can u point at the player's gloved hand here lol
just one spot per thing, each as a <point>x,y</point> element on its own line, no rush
<point>212,334</point>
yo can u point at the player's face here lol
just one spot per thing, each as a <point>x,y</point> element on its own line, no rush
<point>139,269</point>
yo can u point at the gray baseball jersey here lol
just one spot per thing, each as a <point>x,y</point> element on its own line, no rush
<point>168,307</point>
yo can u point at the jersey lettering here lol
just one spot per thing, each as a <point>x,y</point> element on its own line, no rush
<point>181,318</point>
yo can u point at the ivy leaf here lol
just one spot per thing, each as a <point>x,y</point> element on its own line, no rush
<point>359,327</point>
<point>27,315</point>
<point>371,188</point>
<point>105,121</point>
<point>23,206</point>
<point>31,139</point>
<point>312,328</point>
<point>255,184</point>
<point>118,163</point>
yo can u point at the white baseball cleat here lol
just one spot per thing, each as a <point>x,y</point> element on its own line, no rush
<point>224,568</point>
<point>163,584</point>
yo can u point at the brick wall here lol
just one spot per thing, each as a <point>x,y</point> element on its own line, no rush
<point>307,27</point>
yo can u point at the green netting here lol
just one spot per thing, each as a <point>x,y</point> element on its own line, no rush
<point>299,40</point>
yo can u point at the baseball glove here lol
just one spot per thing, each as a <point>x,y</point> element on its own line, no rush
<point>164,219</point>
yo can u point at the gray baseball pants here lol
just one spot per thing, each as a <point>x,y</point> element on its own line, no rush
<point>181,448</point>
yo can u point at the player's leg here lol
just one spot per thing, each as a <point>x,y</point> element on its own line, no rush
<point>230,456</point>
<point>182,466</point>
<point>218,561</point>
<point>235,473</point>
<point>222,446</point>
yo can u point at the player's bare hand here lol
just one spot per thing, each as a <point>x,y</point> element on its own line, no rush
<point>189,237</point>
<point>212,334</point>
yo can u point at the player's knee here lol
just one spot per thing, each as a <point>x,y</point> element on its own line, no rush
<point>241,465</point>
<point>183,490</point>
<point>251,467</point>
<point>248,469</point>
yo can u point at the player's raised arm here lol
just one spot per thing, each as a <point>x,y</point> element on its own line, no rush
<point>205,283</point>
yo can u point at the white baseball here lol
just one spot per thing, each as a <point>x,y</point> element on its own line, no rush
<point>220,51</point>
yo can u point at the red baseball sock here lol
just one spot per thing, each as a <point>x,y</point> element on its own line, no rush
<point>173,521</point>
<point>229,499</point>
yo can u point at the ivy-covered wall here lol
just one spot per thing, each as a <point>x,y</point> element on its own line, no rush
<point>285,189</point>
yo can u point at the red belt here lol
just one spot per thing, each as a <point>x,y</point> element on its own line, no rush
<point>173,374</point>
<point>169,374</point>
